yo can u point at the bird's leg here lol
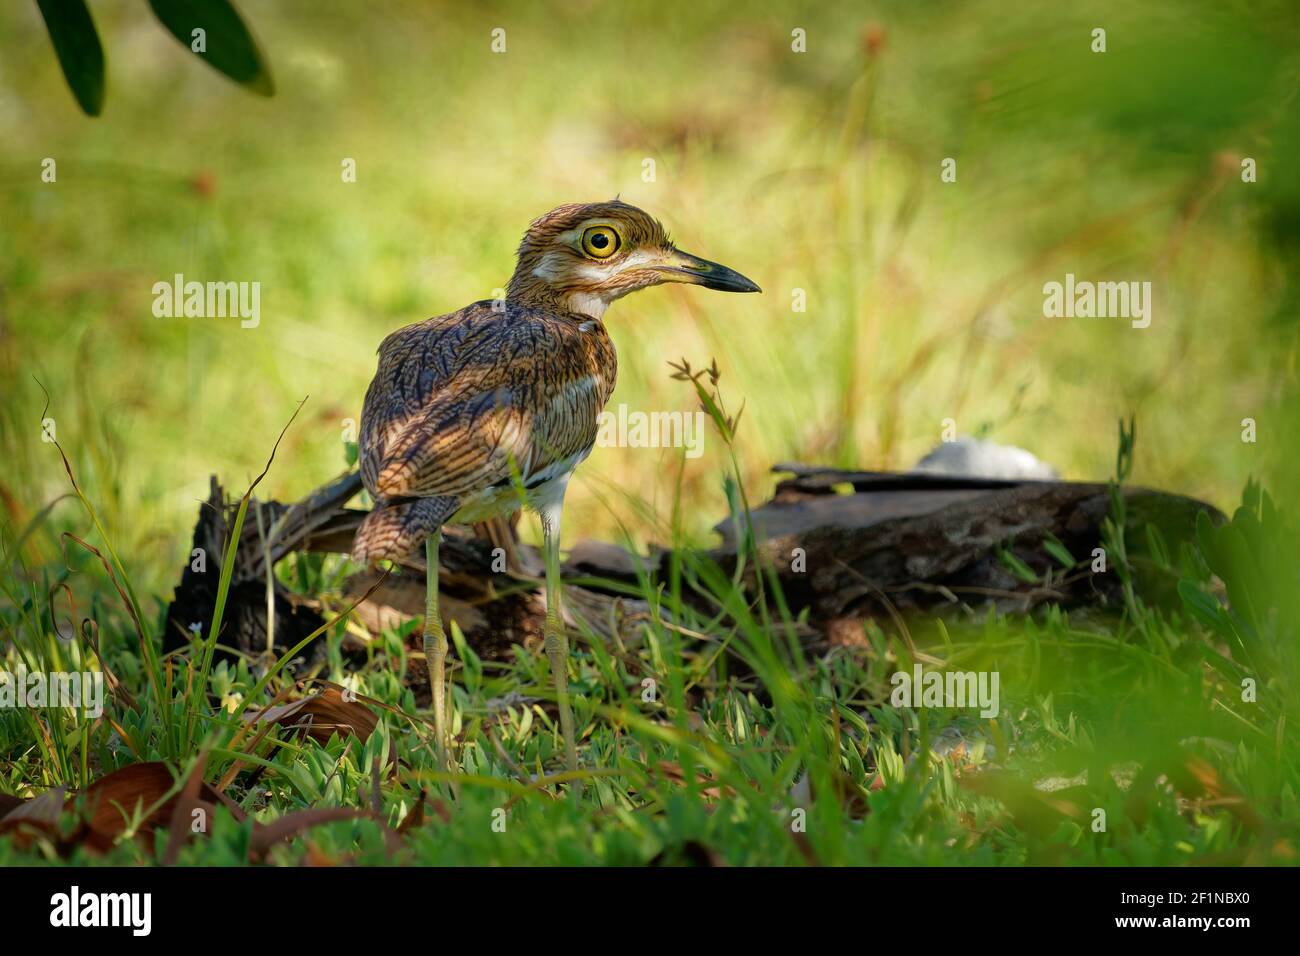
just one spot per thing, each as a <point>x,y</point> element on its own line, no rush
<point>556,643</point>
<point>435,649</point>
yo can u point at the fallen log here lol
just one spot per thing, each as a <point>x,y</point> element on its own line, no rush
<point>849,544</point>
<point>846,546</point>
<point>490,583</point>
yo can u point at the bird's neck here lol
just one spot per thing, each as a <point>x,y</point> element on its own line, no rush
<point>585,303</point>
<point>535,293</point>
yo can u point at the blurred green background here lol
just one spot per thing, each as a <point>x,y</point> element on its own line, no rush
<point>815,171</point>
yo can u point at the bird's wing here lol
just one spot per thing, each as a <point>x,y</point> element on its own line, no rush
<point>464,402</point>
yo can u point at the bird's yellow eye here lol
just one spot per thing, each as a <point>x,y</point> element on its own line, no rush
<point>600,242</point>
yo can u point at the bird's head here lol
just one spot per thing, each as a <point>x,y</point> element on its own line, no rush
<point>584,256</point>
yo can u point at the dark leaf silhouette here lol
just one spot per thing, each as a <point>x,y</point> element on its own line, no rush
<point>227,44</point>
<point>77,46</point>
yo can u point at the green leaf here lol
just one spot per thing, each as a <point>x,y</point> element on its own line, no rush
<point>1206,540</point>
<point>1157,547</point>
<point>1053,546</point>
<point>473,664</point>
<point>229,47</point>
<point>1017,567</point>
<point>1241,575</point>
<point>852,717</point>
<point>1202,607</point>
<point>76,44</point>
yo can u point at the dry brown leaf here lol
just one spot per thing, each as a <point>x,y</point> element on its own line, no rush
<point>187,801</point>
<point>109,805</point>
<point>110,802</point>
<point>32,818</point>
<point>322,715</point>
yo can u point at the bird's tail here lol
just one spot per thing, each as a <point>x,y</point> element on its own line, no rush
<point>394,530</point>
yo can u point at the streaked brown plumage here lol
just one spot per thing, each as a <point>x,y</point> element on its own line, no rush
<point>473,414</point>
<point>463,401</point>
<point>460,401</point>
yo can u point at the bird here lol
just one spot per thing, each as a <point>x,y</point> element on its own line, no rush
<point>476,414</point>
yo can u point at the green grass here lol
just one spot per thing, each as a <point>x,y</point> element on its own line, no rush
<point>816,172</point>
<point>1129,745</point>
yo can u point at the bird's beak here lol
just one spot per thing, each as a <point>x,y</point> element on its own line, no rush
<point>678,266</point>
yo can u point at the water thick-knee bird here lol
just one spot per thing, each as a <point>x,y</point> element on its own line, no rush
<point>474,414</point>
